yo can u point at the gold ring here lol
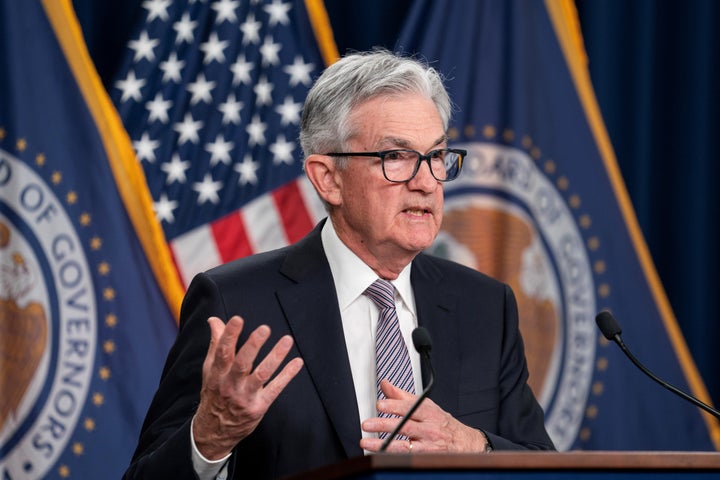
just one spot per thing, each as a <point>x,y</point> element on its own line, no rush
<point>409,445</point>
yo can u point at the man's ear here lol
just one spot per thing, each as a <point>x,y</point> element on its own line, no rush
<point>324,175</point>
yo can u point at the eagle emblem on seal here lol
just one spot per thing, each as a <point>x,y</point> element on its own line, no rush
<point>23,329</point>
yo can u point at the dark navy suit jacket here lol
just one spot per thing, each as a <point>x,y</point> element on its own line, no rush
<point>478,355</point>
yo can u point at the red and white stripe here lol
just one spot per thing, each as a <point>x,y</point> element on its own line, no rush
<point>274,220</point>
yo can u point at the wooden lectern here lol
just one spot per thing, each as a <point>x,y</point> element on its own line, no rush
<point>524,465</point>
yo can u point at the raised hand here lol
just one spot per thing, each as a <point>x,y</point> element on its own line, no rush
<point>234,395</point>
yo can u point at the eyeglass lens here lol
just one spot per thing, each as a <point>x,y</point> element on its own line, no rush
<point>402,165</point>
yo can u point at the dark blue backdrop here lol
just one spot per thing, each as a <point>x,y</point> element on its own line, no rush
<point>655,68</point>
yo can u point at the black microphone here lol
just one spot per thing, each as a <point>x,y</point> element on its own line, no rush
<point>610,328</point>
<point>423,345</point>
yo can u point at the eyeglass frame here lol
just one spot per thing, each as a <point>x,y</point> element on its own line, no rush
<point>421,158</point>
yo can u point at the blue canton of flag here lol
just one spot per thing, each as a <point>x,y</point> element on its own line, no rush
<point>541,205</point>
<point>211,95</point>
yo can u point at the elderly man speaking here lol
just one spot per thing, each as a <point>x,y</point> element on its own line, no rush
<point>300,357</point>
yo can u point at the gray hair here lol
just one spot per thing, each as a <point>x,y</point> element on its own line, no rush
<point>355,79</point>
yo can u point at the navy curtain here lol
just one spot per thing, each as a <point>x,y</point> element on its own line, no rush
<point>655,68</point>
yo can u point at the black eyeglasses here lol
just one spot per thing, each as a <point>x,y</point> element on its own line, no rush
<point>401,166</point>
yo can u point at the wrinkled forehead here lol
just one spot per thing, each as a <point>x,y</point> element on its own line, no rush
<point>406,120</point>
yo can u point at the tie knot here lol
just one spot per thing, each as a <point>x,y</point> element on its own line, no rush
<point>382,293</point>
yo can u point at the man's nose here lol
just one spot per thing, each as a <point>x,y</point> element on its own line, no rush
<point>424,179</point>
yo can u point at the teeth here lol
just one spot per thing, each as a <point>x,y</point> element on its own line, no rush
<point>415,212</point>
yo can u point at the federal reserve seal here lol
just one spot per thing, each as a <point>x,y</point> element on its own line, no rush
<point>504,217</point>
<point>47,323</point>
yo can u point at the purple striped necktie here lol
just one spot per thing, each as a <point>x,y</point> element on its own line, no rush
<point>391,352</point>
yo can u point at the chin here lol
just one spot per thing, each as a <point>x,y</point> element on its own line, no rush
<point>416,245</point>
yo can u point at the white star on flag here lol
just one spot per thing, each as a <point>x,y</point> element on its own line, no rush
<point>158,109</point>
<point>185,28</point>
<point>145,148</point>
<point>207,190</point>
<point>231,110</point>
<point>130,87</point>
<point>247,170</point>
<point>225,11</point>
<point>219,151</point>
<point>157,9</point>
<point>188,129</point>
<point>164,209</point>
<point>278,12</point>
<point>289,112</point>
<point>213,49</point>
<point>172,68</point>
<point>175,169</point>
<point>144,47</point>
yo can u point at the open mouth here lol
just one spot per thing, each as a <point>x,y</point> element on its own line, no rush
<point>418,212</point>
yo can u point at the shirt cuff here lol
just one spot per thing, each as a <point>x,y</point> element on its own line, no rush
<point>207,469</point>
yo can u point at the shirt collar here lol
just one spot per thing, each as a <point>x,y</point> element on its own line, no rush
<point>352,276</point>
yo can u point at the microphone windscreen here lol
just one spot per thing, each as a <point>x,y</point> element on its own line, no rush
<point>608,325</point>
<point>421,339</point>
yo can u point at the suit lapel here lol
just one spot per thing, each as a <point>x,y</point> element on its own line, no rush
<point>311,309</point>
<point>436,300</point>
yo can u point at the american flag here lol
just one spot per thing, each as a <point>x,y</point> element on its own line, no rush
<point>211,95</point>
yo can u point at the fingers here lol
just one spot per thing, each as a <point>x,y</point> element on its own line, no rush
<point>397,401</point>
<point>221,351</point>
<point>238,367</point>
<point>269,365</point>
<point>245,358</point>
<point>396,393</point>
<point>278,384</point>
<point>385,425</point>
<point>396,446</point>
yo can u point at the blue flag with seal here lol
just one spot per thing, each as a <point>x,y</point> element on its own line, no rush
<point>541,205</point>
<point>85,324</point>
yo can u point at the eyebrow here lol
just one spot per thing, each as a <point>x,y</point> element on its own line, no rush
<point>403,143</point>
